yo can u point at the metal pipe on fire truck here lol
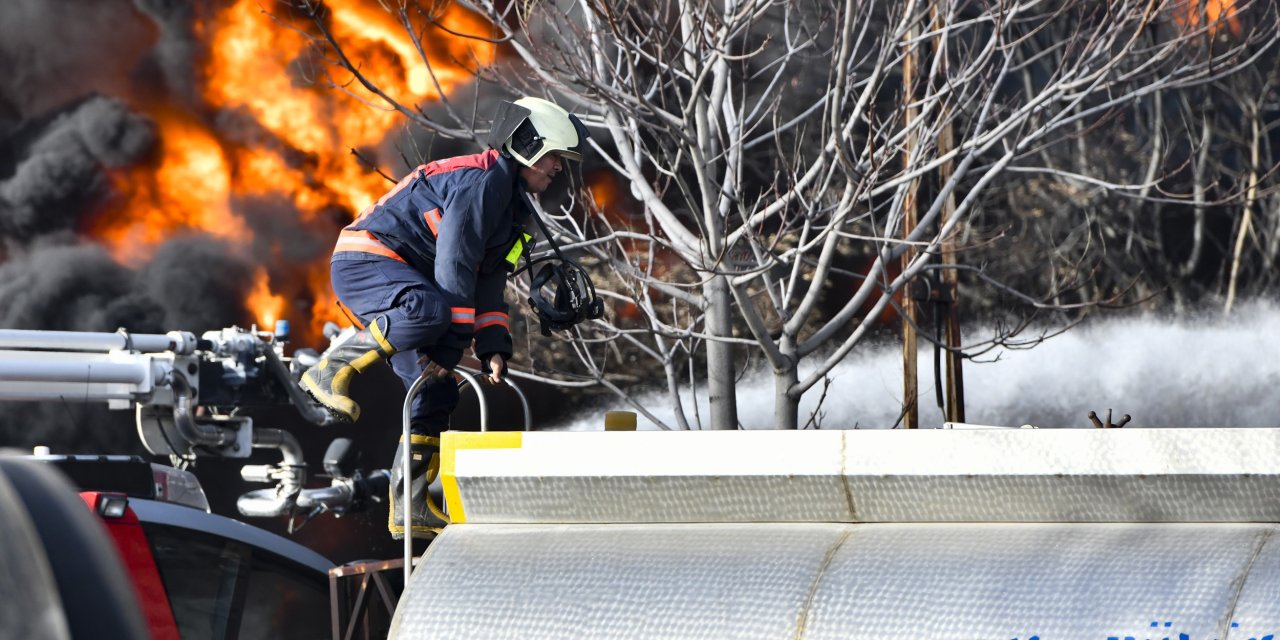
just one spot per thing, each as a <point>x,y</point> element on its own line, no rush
<point>186,392</point>
<point>179,342</point>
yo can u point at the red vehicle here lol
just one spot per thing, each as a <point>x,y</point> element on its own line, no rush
<point>164,567</point>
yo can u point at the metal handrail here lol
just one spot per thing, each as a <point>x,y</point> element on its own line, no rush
<point>406,476</point>
<point>524,404</point>
<point>468,378</point>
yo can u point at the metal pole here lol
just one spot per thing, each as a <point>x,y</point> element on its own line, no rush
<point>407,476</point>
<point>468,378</point>
<point>910,384</point>
<point>176,341</point>
<point>524,404</point>
<point>954,406</point>
<point>33,368</point>
<point>406,488</point>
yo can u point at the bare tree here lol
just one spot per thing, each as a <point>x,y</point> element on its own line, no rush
<point>1178,231</point>
<point>778,157</point>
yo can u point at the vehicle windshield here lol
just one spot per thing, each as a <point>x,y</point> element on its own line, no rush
<point>222,589</point>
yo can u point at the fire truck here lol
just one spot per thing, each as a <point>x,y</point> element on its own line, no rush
<point>111,546</point>
<point>957,532</point>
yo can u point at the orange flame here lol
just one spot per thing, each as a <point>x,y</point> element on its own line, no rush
<point>611,196</point>
<point>284,127</point>
<point>1214,13</point>
<point>190,187</point>
<point>325,306</point>
<point>265,306</point>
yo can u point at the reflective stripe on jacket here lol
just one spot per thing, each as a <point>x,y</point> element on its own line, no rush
<point>457,220</point>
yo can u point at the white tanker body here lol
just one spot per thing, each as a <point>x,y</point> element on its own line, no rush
<point>987,533</point>
<point>996,533</point>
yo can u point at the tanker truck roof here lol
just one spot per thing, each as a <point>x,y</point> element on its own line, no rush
<point>850,476</point>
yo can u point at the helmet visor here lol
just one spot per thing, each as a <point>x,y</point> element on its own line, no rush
<point>575,152</point>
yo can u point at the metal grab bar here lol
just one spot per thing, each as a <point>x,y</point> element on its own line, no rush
<point>468,378</point>
<point>524,404</point>
<point>406,477</point>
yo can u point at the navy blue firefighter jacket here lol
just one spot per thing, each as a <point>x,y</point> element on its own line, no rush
<point>460,222</point>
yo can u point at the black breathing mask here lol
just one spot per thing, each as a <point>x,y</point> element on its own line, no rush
<point>561,292</point>
<point>563,295</point>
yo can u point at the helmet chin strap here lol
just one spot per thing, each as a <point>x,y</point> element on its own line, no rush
<point>555,246</point>
<point>592,307</point>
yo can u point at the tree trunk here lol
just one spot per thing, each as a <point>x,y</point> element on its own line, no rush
<point>1246,217</point>
<point>1199,187</point>
<point>720,355</point>
<point>786,409</point>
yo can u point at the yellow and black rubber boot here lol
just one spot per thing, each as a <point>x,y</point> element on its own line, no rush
<point>424,464</point>
<point>328,381</point>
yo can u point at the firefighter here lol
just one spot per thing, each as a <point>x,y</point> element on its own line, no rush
<point>423,271</point>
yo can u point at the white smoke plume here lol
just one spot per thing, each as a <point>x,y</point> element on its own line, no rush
<point>1204,370</point>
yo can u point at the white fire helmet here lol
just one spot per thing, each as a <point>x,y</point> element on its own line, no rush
<point>530,128</point>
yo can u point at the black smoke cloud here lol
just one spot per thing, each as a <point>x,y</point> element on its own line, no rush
<point>61,172</point>
<point>52,279</point>
<point>74,70</point>
<point>172,56</point>
<point>193,284</point>
<point>271,217</point>
<point>56,52</point>
<point>199,283</point>
<point>73,287</point>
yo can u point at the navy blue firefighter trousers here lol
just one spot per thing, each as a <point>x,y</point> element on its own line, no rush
<point>417,316</point>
